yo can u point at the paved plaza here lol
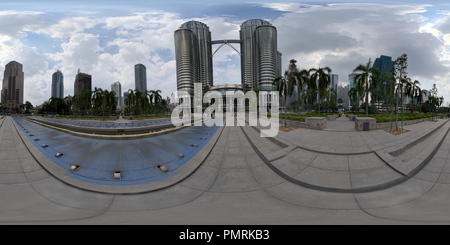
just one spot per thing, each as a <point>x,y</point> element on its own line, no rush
<point>304,176</point>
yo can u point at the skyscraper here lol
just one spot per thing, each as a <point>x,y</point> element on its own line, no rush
<point>140,77</point>
<point>82,82</point>
<point>117,88</point>
<point>384,64</point>
<point>260,59</point>
<point>12,89</point>
<point>193,56</point>
<point>58,84</point>
<point>352,79</point>
<point>334,81</point>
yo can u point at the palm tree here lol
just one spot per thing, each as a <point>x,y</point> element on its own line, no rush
<point>85,100</point>
<point>97,98</point>
<point>130,101</point>
<point>284,86</point>
<point>69,102</point>
<point>156,99</point>
<point>364,80</point>
<point>302,81</point>
<point>320,77</point>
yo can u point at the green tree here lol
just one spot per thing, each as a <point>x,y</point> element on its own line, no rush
<point>400,74</point>
<point>365,81</point>
<point>320,79</point>
<point>284,86</point>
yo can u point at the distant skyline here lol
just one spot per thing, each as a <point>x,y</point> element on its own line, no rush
<point>107,38</point>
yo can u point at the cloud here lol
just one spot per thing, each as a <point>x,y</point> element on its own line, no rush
<point>67,27</point>
<point>107,44</point>
<point>14,23</point>
<point>344,35</point>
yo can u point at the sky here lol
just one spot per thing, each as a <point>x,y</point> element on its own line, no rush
<point>106,38</point>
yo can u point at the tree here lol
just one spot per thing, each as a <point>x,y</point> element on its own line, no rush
<point>320,77</point>
<point>400,74</point>
<point>365,81</point>
<point>413,90</point>
<point>284,86</point>
<point>68,100</point>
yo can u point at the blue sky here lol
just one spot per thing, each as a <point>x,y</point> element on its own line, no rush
<point>106,38</point>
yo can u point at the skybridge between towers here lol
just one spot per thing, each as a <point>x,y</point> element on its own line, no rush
<point>225,42</point>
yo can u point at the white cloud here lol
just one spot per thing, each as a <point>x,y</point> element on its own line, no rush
<point>67,27</point>
<point>337,35</point>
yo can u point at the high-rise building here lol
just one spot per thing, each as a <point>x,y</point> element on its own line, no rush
<point>140,77</point>
<point>58,84</point>
<point>334,82</point>
<point>193,52</point>
<point>384,64</point>
<point>352,79</point>
<point>125,97</point>
<point>117,88</point>
<point>260,59</point>
<point>12,88</point>
<point>342,93</point>
<point>82,82</point>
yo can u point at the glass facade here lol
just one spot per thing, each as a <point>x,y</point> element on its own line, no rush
<point>194,55</point>
<point>12,87</point>
<point>186,60</point>
<point>58,85</point>
<point>266,57</point>
<point>117,88</point>
<point>140,77</point>
<point>383,64</point>
<point>260,60</point>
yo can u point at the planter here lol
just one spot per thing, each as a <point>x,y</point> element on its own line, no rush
<point>365,123</point>
<point>316,122</point>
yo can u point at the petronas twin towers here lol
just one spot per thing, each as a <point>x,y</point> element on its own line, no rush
<point>260,59</point>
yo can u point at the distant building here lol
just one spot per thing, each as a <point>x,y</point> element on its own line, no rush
<point>140,77</point>
<point>384,64</point>
<point>342,93</point>
<point>260,59</point>
<point>334,83</point>
<point>82,82</point>
<point>117,88</point>
<point>58,84</point>
<point>12,88</point>
<point>352,81</point>
<point>125,97</point>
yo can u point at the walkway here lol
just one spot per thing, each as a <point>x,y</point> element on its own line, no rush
<point>234,184</point>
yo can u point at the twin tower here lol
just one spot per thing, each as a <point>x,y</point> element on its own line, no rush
<point>260,59</point>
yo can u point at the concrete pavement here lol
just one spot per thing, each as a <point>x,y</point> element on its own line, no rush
<point>299,177</point>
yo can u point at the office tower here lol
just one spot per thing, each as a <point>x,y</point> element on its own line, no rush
<point>125,98</point>
<point>352,79</point>
<point>342,93</point>
<point>117,88</point>
<point>384,64</point>
<point>82,82</point>
<point>334,82</point>
<point>12,88</point>
<point>58,85</point>
<point>193,52</point>
<point>260,60</point>
<point>140,77</point>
